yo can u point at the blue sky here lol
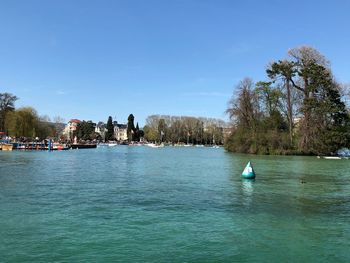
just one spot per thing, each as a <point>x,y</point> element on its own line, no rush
<point>92,59</point>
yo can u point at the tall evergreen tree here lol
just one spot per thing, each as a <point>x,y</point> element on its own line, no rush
<point>131,128</point>
<point>110,129</point>
<point>328,123</point>
<point>137,133</point>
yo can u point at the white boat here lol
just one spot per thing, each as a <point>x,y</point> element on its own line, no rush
<point>112,144</point>
<point>332,157</point>
<point>153,145</point>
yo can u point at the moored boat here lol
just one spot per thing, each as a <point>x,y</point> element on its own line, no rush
<point>153,145</point>
<point>60,147</point>
<point>83,146</point>
<point>6,147</point>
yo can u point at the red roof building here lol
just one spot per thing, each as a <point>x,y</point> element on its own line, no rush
<point>74,121</point>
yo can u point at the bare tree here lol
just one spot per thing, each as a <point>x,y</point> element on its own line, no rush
<point>243,106</point>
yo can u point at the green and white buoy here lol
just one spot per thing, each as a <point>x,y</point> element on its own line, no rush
<point>248,172</point>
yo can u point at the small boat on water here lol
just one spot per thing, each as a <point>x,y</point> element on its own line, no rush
<point>83,146</point>
<point>6,147</point>
<point>59,147</point>
<point>332,157</point>
<point>153,145</point>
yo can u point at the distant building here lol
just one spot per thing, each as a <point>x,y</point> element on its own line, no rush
<point>101,129</point>
<point>70,128</point>
<point>120,131</point>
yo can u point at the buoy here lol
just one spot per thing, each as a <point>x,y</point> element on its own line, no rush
<point>248,172</point>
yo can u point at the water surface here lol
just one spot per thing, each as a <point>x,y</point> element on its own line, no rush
<point>139,204</point>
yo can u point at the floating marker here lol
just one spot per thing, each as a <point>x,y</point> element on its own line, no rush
<point>248,172</point>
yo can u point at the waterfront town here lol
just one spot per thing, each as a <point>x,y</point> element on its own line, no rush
<point>23,129</point>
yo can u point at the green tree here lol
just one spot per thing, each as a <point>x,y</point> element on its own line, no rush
<point>140,133</point>
<point>86,130</point>
<point>131,128</point>
<point>7,104</point>
<point>328,120</point>
<point>150,133</point>
<point>286,71</point>
<point>263,118</point>
<point>110,129</point>
<point>22,122</point>
<point>270,99</point>
<point>137,134</point>
<point>303,59</point>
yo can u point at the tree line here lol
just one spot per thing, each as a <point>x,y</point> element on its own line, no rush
<point>25,122</point>
<point>299,109</point>
<point>182,129</point>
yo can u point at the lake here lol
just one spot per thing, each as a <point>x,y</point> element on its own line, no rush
<point>172,204</point>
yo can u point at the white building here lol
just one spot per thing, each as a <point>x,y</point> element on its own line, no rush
<point>70,128</point>
<point>101,129</point>
<point>120,132</point>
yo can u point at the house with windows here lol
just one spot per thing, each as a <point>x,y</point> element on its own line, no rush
<point>101,129</point>
<point>70,128</point>
<point>120,131</point>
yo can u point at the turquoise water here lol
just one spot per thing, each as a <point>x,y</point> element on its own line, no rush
<point>139,204</point>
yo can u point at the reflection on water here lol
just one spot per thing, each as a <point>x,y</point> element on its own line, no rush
<point>247,186</point>
<point>247,190</point>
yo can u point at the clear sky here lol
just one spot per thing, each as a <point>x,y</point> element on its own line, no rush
<point>91,59</point>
